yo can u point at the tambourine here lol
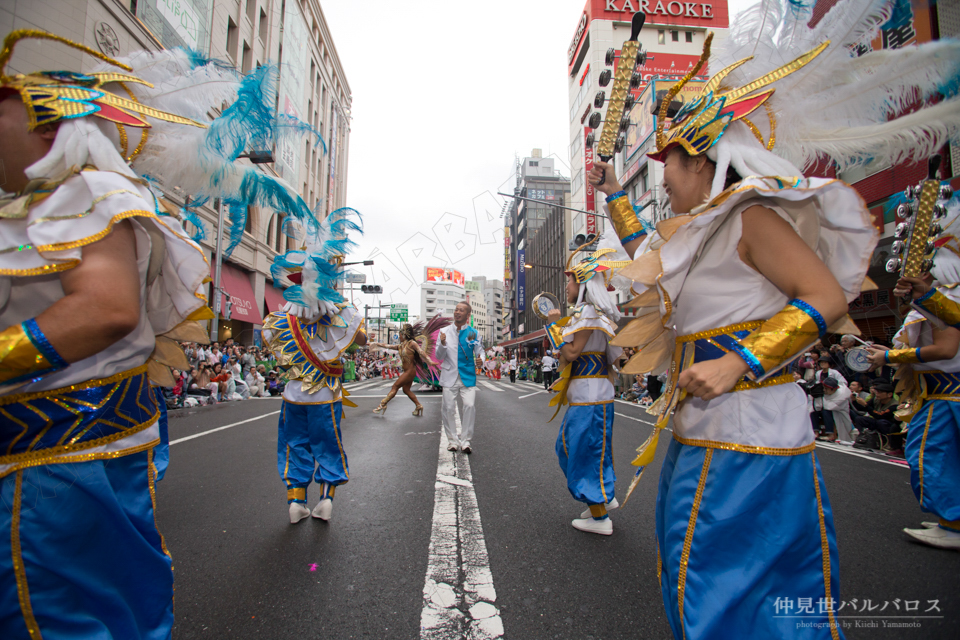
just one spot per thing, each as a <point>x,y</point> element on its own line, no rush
<point>544,303</point>
<point>857,360</point>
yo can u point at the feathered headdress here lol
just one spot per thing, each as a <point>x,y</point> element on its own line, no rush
<point>824,100</point>
<point>177,119</point>
<point>316,269</point>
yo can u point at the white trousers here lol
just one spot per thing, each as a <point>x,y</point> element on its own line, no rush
<point>467,418</point>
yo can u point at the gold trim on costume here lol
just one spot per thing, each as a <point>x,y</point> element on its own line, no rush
<point>825,549</point>
<point>336,432</point>
<point>603,453</point>
<point>23,591</point>
<point>923,444</point>
<point>98,382</point>
<point>297,493</point>
<point>747,448</point>
<point>903,356</point>
<point>712,333</point>
<point>152,482</point>
<point>780,338</point>
<point>19,357</point>
<point>688,538</point>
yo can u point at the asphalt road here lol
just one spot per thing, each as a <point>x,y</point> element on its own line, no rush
<point>243,571</point>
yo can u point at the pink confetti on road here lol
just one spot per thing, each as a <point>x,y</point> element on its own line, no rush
<point>313,567</point>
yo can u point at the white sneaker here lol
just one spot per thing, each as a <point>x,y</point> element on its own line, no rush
<point>613,504</point>
<point>298,511</point>
<point>938,537</point>
<point>451,447</point>
<point>603,527</point>
<point>930,525</point>
<point>324,509</point>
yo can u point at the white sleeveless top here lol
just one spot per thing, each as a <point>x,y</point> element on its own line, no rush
<point>721,290</point>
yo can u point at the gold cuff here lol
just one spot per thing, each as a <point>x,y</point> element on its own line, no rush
<point>942,307</point>
<point>20,359</point>
<point>298,494</point>
<point>903,356</point>
<point>625,219</point>
<point>783,336</point>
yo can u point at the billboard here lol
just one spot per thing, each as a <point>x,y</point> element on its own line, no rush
<point>522,281</point>
<point>177,23</point>
<point>437,274</point>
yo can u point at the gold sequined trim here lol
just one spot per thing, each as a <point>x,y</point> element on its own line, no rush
<point>309,404</point>
<point>99,382</point>
<point>297,493</point>
<point>923,444</point>
<point>122,131</point>
<point>825,547</point>
<point>74,216</point>
<point>747,385</point>
<point>152,481</point>
<point>73,244</point>
<point>603,453</point>
<point>589,404</point>
<point>711,333</point>
<point>336,432</point>
<point>747,448</point>
<point>688,538</point>
<point>23,592</point>
<point>39,271</point>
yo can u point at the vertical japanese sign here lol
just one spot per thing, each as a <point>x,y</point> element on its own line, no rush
<point>292,74</point>
<point>590,196</point>
<point>334,130</point>
<point>521,281</point>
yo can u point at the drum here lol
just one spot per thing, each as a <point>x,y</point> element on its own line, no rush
<point>544,304</point>
<point>856,359</point>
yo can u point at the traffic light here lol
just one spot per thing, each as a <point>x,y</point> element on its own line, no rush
<point>580,239</point>
<point>371,288</point>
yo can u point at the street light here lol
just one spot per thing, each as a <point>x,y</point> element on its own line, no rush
<point>365,263</point>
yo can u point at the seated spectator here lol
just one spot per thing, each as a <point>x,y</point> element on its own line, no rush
<point>273,384</point>
<point>221,377</point>
<point>203,380</point>
<point>836,402</point>
<point>638,391</point>
<point>879,411</point>
<point>257,382</point>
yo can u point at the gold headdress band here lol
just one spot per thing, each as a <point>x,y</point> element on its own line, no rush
<point>592,265</point>
<point>698,125</point>
<point>51,96</point>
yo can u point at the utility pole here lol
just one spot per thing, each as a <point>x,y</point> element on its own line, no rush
<point>214,331</point>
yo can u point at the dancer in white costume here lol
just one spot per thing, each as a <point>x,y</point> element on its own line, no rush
<point>723,313</point>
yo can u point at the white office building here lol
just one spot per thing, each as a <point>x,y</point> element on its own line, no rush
<point>440,292</point>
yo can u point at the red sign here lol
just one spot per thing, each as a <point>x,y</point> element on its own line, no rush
<point>435,274</point>
<point>711,13</point>
<point>591,196</point>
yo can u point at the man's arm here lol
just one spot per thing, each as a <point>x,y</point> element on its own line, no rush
<point>101,304</point>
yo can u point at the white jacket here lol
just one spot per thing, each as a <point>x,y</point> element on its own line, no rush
<point>447,354</point>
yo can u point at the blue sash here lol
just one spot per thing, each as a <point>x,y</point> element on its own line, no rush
<point>465,357</point>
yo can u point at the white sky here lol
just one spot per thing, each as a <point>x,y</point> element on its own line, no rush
<point>445,94</point>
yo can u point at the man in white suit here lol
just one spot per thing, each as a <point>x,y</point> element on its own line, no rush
<point>459,347</point>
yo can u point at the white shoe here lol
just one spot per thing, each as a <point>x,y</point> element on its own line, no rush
<point>613,504</point>
<point>451,447</point>
<point>324,509</point>
<point>603,527</point>
<point>930,525</point>
<point>938,537</point>
<point>298,511</point>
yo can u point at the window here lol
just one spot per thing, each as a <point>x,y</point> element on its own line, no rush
<point>675,36</point>
<point>248,227</point>
<point>689,35</point>
<point>251,9</point>
<point>247,60</point>
<point>279,235</point>
<point>263,26</point>
<point>534,163</point>
<point>232,39</point>
<point>661,37</point>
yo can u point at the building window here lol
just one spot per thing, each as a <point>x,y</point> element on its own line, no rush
<point>247,60</point>
<point>661,37</point>
<point>675,36</point>
<point>689,35</point>
<point>232,39</point>
<point>263,26</point>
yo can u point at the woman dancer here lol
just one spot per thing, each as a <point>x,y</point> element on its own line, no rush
<point>417,342</point>
<point>755,266</point>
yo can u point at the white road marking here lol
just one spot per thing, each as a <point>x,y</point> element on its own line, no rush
<point>381,395</point>
<point>458,594</point>
<point>226,426</point>
<point>850,451</point>
<point>623,415</point>
<point>490,386</point>
<point>532,394</point>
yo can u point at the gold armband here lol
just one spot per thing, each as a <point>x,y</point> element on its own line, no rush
<point>779,339</point>
<point>940,306</point>
<point>25,353</point>
<point>902,356</point>
<point>624,218</point>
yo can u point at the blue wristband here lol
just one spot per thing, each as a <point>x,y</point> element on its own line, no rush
<point>32,329</point>
<point>614,196</point>
<point>813,313</point>
<point>917,352</point>
<point>749,358</point>
<point>886,356</point>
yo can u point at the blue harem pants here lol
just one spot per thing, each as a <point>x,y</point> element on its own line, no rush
<point>585,452</point>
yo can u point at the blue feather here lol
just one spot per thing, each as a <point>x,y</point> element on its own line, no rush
<point>191,216</point>
<point>800,8</point>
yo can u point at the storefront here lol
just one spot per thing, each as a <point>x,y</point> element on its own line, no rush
<point>245,316</point>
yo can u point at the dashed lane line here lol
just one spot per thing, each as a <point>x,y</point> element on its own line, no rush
<point>458,594</point>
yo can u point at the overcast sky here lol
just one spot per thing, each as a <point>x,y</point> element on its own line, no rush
<point>446,93</point>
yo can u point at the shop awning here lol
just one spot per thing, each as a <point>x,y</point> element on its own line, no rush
<point>236,283</point>
<point>272,298</point>
<point>539,334</point>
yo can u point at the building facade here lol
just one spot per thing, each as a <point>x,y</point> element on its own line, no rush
<point>479,319</point>
<point>311,86</point>
<point>527,220</point>
<point>441,291</point>
<point>673,37</point>
<point>492,291</point>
